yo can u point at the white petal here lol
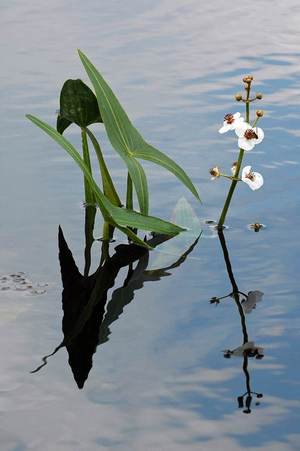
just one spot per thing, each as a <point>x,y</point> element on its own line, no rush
<point>236,115</point>
<point>225,128</point>
<point>258,181</point>
<point>241,128</point>
<point>245,171</point>
<point>246,144</point>
<point>260,135</point>
<point>237,123</point>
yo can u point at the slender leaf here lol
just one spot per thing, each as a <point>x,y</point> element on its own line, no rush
<point>139,180</point>
<point>123,136</point>
<point>108,185</point>
<point>119,217</point>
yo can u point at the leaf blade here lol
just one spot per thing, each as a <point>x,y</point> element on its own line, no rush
<point>123,136</point>
<point>116,216</point>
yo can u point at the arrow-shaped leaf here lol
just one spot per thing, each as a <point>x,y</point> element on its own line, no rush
<point>119,217</point>
<point>123,136</point>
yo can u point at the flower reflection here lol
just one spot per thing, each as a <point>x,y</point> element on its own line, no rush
<point>248,349</point>
<point>251,300</point>
<point>245,303</point>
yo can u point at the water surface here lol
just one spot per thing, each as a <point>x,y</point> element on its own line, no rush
<point>159,378</point>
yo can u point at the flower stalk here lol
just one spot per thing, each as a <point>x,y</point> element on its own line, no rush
<point>247,136</point>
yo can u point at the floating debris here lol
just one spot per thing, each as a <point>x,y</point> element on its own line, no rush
<point>19,282</point>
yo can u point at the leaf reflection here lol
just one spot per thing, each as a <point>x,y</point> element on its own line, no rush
<point>86,323</point>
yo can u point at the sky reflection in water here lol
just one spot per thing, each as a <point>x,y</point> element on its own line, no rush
<point>161,380</point>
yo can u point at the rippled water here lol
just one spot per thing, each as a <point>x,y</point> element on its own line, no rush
<point>159,378</point>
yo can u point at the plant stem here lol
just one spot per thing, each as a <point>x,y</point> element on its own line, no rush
<point>89,196</point>
<point>231,190</point>
<point>237,170</point>
<point>105,235</point>
<point>129,193</point>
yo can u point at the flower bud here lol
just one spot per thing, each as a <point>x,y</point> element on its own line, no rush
<point>214,172</point>
<point>259,96</point>
<point>238,97</point>
<point>248,79</point>
<point>259,113</point>
<point>233,167</point>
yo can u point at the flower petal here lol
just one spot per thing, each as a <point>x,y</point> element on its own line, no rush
<point>258,181</point>
<point>225,128</point>
<point>236,115</point>
<point>252,299</point>
<point>241,128</point>
<point>246,144</point>
<point>245,171</point>
<point>260,135</point>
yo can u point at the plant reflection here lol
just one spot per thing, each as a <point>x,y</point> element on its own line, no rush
<point>86,322</point>
<point>245,304</point>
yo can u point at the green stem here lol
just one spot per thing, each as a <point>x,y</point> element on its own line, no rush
<point>129,193</point>
<point>105,235</point>
<point>89,195</point>
<point>231,189</point>
<point>237,170</point>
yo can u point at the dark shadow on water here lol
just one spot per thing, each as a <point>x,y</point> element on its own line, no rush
<point>86,322</point>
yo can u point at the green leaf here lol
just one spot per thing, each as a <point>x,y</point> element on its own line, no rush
<point>118,217</point>
<point>62,123</point>
<point>148,152</point>
<point>108,186</point>
<point>78,104</point>
<point>123,136</point>
<point>139,180</point>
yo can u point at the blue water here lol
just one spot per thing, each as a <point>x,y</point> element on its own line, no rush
<point>159,381</point>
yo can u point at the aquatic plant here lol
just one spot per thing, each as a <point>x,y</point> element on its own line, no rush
<point>79,105</point>
<point>248,137</point>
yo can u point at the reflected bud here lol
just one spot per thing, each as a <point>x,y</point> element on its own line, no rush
<point>259,113</point>
<point>240,401</point>
<point>238,97</point>
<point>256,226</point>
<point>248,401</point>
<point>259,96</point>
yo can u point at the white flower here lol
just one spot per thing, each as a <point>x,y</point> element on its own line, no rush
<point>248,136</point>
<point>231,122</point>
<point>253,179</point>
<point>250,303</point>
